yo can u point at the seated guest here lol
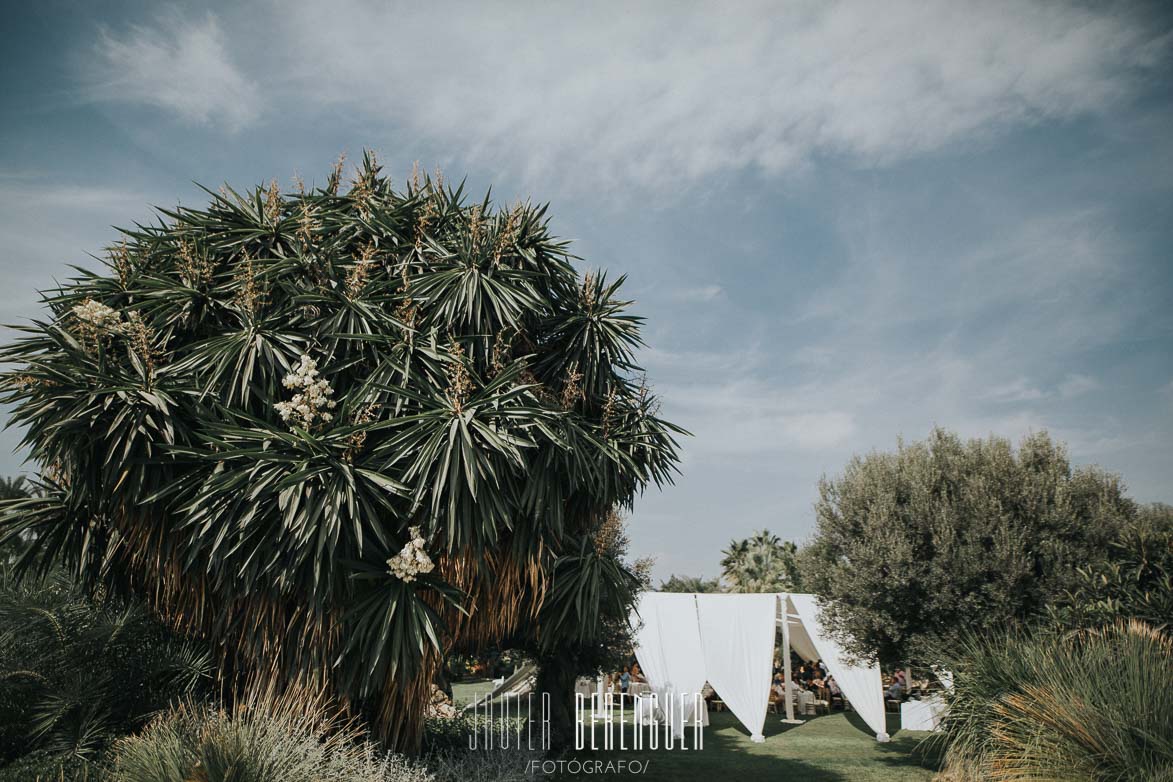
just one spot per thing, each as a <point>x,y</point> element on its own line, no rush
<point>819,685</point>
<point>834,693</point>
<point>894,690</point>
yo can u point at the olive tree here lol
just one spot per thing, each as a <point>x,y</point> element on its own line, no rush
<point>945,536</point>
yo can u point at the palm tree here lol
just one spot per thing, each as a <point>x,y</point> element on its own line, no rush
<point>341,433</point>
<point>761,563</point>
<point>13,488</point>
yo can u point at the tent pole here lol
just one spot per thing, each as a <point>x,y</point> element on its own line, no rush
<point>786,660</point>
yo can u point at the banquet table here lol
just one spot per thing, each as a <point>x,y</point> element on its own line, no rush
<point>925,714</point>
<point>586,686</point>
<point>804,702</point>
<point>647,714</point>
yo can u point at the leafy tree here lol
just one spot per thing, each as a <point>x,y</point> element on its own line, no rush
<point>677,583</point>
<point>341,433</point>
<point>761,563</point>
<point>914,546</point>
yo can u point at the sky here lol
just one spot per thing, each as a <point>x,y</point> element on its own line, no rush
<point>845,222</point>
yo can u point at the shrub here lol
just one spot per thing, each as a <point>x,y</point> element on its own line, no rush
<point>75,671</point>
<point>448,734</point>
<point>1135,578</point>
<point>1088,705</point>
<point>289,742</point>
<point>498,765</point>
<point>41,766</point>
<point>450,759</point>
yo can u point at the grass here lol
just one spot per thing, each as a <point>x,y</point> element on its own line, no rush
<point>463,692</point>
<point>833,748</point>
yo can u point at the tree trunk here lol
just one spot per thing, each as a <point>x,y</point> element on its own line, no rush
<point>556,675</point>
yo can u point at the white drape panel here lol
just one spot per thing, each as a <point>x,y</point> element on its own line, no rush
<point>860,684</point>
<point>737,632</point>
<point>684,640</point>
<point>800,640</point>
<point>669,650</point>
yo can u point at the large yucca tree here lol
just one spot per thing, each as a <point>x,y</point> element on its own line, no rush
<point>465,380</point>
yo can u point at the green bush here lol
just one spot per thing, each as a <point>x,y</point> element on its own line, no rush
<point>1134,579</point>
<point>501,765</point>
<point>447,753</point>
<point>291,743</point>
<point>76,672</point>
<point>443,735</point>
<point>41,766</point>
<point>1087,705</point>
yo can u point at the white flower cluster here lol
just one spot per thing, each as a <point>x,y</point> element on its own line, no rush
<point>98,316</point>
<point>412,560</point>
<point>312,400</point>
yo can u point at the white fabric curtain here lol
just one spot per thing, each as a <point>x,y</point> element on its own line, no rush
<point>737,632</point>
<point>668,648</point>
<point>860,684</point>
<point>800,640</point>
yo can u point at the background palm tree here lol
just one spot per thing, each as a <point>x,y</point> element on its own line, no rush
<point>13,488</point>
<point>341,432</point>
<point>761,563</point>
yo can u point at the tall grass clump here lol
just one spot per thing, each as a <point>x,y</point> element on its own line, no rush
<point>257,742</point>
<point>1085,705</point>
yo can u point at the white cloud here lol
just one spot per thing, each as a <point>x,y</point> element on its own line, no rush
<point>699,294</point>
<point>654,93</point>
<point>668,92</point>
<point>1023,390</point>
<point>1077,385</point>
<point>1017,391</point>
<point>739,414</point>
<point>180,65</point>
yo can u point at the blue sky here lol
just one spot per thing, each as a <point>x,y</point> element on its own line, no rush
<point>845,222</point>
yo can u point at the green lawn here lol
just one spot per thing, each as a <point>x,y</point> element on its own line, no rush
<point>463,692</point>
<point>833,748</point>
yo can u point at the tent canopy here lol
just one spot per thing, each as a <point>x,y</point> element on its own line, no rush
<point>683,640</point>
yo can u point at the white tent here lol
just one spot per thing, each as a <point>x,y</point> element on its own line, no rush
<point>683,640</point>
